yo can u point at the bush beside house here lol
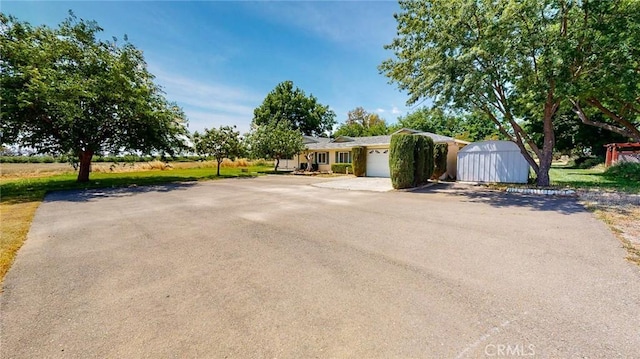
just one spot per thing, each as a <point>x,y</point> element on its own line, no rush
<point>428,158</point>
<point>420,163</point>
<point>359,161</point>
<point>401,160</point>
<point>341,168</point>
<point>440,159</point>
<point>411,160</point>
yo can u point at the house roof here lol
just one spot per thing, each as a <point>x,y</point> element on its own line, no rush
<point>311,139</point>
<point>346,142</point>
<point>434,136</point>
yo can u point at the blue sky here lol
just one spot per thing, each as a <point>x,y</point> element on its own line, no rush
<point>219,59</point>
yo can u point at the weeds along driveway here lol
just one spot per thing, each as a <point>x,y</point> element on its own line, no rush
<point>273,267</point>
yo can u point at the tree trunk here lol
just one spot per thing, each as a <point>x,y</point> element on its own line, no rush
<point>549,141</point>
<point>277,164</point>
<point>219,162</point>
<point>85,166</point>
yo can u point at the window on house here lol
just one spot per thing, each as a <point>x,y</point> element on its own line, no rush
<point>322,158</point>
<point>344,157</point>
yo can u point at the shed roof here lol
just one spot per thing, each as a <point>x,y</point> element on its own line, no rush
<point>491,146</point>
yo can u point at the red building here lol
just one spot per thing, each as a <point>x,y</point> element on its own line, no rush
<point>626,152</point>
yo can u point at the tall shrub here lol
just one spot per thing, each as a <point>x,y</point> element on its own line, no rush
<point>419,155</point>
<point>440,159</point>
<point>401,160</point>
<point>359,161</point>
<point>428,158</point>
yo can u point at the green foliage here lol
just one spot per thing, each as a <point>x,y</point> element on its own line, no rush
<point>219,143</point>
<point>468,127</point>
<point>64,91</point>
<point>432,120</point>
<point>608,83</point>
<point>591,178</point>
<point>292,106</point>
<point>624,170</point>
<point>420,153</point>
<point>361,123</point>
<point>573,137</point>
<point>342,168</point>
<point>429,165</point>
<point>359,161</point>
<point>275,140</point>
<point>584,162</point>
<point>401,160</point>
<point>520,59</point>
<point>440,159</point>
<point>28,159</point>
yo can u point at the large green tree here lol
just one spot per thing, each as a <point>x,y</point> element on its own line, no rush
<point>468,127</point>
<point>63,90</point>
<point>510,59</point>
<point>362,123</point>
<point>291,105</point>
<point>574,137</point>
<point>275,140</point>
<point>431,120</point>
<point>219,143</point>
<point>607,90</point>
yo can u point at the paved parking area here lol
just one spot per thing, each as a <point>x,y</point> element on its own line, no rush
<point>274,267</point>
<point>371,184</point>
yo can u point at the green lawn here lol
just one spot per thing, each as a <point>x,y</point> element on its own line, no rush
<point>590,178</point>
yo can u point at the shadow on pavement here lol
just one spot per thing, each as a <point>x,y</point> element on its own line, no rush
<point>496,198</point>
<point>87,195</point>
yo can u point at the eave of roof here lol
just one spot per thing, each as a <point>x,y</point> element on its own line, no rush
<point>346,142</point>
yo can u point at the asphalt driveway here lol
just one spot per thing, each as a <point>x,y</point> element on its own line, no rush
<point>273,267</point>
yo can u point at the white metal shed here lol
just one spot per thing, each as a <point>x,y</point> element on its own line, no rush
<point>492,161</point>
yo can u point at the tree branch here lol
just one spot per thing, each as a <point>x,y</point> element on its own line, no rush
<point>584,119</point>
<point>630,128</point>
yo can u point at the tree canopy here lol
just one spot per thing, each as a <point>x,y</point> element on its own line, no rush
<point>275,140</point>
<point>468,127</point>
<point>512,60</point>
<point>65,91</point>
<point>361,123</point>
<point>220,143</point>
<point>291,105</point>
<point>607,87</point>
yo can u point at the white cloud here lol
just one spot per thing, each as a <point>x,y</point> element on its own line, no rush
<point>357,23</point>
<point>395,111</point>
<point>380,110</point>
<point>209,104</point>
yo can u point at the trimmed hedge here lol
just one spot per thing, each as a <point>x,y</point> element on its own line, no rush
<point>411,160</point>
<point>429,149</point>
<point>440,159</point>
<point>402,161</point>
<point>420,163</point>
<point>341,168</point>
<point>359,167</point>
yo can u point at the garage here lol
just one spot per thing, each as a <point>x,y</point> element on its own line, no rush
<point>378,162</point>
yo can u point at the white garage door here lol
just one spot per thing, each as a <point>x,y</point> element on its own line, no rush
<point>378,162</point>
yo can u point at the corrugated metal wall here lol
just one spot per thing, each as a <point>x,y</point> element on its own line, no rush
<point>492,164</point>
